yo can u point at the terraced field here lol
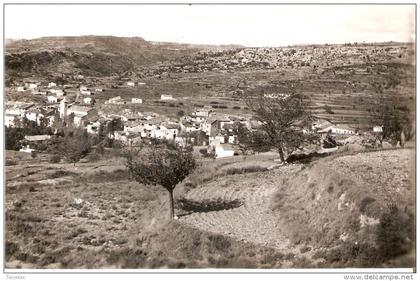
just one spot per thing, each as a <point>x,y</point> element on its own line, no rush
<point>253,221</point>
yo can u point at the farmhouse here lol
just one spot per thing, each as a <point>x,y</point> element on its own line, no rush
<point>37,138</point>
<point>52,99</point>
<point>32,86</point>
<point>338,130</point>
<point>86,92</point>
<point>88,100</point>
<point>166,97</point>
<point>34,115</point>
<point>378,129</point>
<point>136,100</point>
<point>115,100</point>
<point>224,150</point>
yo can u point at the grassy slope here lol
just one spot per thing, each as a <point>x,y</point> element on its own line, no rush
<point>337,202</point>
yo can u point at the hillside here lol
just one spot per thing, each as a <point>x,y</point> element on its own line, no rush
<point>91,55</point>
<point>346,210</point>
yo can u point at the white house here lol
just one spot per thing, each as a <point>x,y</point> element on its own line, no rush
<point>11,114</point>
<point>131,84</point>
<point>99,90</point>
<point>20,89</point>
<point>115,100</point>
<point>37,138</point>
<point>166,97</point>
<point>57,92</point>
<point>86,92</point>
<point>136,100</point>
<point>52,84</point>
<point>83,88</point>
<point>34,115</point>
<point>338,130</point>
<point>52,99</point>
<point>378,129</point>
<point>88,100</point>
<point>224,150</point>
<point>32,86</point>
<point>93,127</point>
<point>216,140</point>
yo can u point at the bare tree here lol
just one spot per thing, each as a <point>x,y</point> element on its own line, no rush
<point>161,164</point>
<point>283,121</point>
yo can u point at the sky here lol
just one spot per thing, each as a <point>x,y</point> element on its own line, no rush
<point>248,25</point>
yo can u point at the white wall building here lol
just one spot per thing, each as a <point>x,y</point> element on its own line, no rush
<point>88,100</point>
<point>377,129</point>
<point>166,97</point>
<point>224,151</point>
<point>136,100</point>
<point>52,99</point>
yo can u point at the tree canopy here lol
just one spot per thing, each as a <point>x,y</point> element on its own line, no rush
<point>284,120</point>
<point>162,164</point>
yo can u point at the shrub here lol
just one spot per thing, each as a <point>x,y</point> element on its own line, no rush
<point>55,158</point>
<point>393,230</point>
<point>10,162</point>
<point>248,169</point>
<point>11,248</point>
<point>365,202</point>
<point>208,205</point>
<point>204,152</point>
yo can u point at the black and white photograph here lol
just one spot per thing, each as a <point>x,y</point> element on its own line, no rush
<point>192,137</point>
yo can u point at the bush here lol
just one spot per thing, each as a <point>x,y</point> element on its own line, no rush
<point>10,162</point>
<point>55,159</point>
<point>208,205</point>
<point>394,232</point>
<point>10,249</point>
<point>365,202</point>
<point>244,170</point>
<point>93,157</point>
<point>34,154</point>
<point>204,152</point>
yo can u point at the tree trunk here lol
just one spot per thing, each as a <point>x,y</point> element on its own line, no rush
<point>281,153</point>
<point>402,139</point>
<point>171,204</point>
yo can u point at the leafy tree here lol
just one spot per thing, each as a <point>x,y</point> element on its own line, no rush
<point>114,125</point>
<point>180,113</point>
<point>396,119</point>
<point>283,121</point>
<point>163,164</point>
<point>75,145</point>
<point>13,138</point>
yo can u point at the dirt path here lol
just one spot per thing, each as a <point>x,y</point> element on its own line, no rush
<point>253,221</point>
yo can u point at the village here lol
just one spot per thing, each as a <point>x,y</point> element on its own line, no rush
<point>77,104</point>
